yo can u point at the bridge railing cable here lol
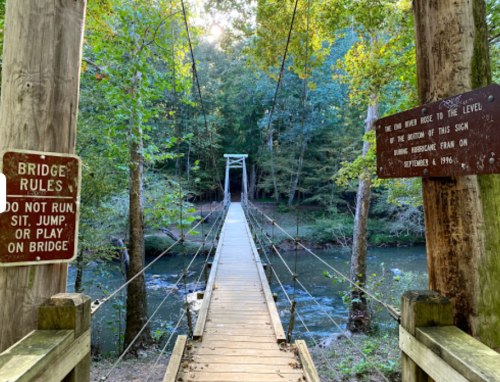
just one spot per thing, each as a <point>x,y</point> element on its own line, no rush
<point>297,311</point>
<point>97,304</point>
<point>125,352</point>
<point>219,222</point>
<point>165,346</point>
<point>332,320</point>
<point>394,312</point>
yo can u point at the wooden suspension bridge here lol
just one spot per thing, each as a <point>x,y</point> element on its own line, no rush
<point>239,335</point>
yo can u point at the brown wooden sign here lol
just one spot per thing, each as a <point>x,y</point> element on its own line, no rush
<point>452,137</point>
<point>40,223</point>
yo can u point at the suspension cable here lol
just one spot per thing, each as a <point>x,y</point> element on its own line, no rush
<point>392,310</point>
<point>197,81</point>
<point>283,61</point>
<point>97,304</point>
<point>299,173</point>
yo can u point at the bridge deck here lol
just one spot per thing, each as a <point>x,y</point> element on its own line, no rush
<point>238,326</point>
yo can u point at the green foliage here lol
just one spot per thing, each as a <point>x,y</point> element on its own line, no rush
<point>156,244</point>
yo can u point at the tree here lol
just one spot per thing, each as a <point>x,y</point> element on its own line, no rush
<point>461,213</point>
<point>132,61</point>
<point>369,68</point>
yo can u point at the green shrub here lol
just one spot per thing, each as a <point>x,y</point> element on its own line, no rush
<point>380,239</point>
<point>155,245</point>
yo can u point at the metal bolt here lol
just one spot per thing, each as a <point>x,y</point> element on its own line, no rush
<point>426,172</point>
<point>424,111</point>
<point>491,98</point>
<point>38,258</point>
<point>379,127</point>
<point>381,169</point>
<point>43,157</point>
<point>492,160</point>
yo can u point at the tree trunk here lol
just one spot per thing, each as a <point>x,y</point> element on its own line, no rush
<point>79,272</point>
<point>41,77</point>
<point>137,304</point>
<point>462,214</point>
<point>273,172</point>
<point>359,317</point>
<point>297,176</point>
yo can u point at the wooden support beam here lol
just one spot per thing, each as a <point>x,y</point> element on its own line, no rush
<point>433,368</point>
<point>421,309</point>
<point>471,358</point>
<point>70,311</point>
<point>59,350</point>
<point>202,316</point>
<point>175,360</point>
<point>307,362</point>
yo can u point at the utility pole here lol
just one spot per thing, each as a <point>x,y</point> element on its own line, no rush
<point>39,106</point>
<point>462,214</point>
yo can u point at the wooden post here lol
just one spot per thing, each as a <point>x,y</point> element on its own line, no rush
<point>40,85</point>
<point>462,214</point>
<point>66,311</point>
<point>226,183</point>
<point>418,309</point>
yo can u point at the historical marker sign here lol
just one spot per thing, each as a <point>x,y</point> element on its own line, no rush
<point>40,223</point>
<point>453,137</point>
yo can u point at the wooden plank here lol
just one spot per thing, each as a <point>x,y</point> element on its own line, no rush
<point>427,360</point>
<point>244,360</point>
<point>246,377</point>
<point>238,351</point>
<point>33,354</point>
<point>261,321</point>
<point>217,337</point>
<point>239,368</point>
<point>217,307</point>
<point>307,362</point>
<point>419,309</point>
<point>237,345</point>
<point>234,299</point>
<point>239,314</point>
<point>471,358</point>
<point>273,311</point>
<point>65,363</point>
<point>175,360</point>
<point>202,315</point>
<point>236,326</point>
<point>240,332</point>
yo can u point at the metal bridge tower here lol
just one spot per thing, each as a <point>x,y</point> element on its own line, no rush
<point>236,161</point>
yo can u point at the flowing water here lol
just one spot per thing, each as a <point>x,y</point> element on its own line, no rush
<point>109,322</point>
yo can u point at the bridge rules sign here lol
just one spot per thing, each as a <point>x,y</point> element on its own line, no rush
<point>40,222</point>
<point>453,137</point>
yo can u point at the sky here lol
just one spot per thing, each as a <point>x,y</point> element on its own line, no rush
<point>213,21</point>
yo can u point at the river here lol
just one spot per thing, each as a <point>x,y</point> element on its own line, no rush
<point>164,273</point>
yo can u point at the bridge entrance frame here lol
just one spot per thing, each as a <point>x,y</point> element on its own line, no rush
<point>236,161</point>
